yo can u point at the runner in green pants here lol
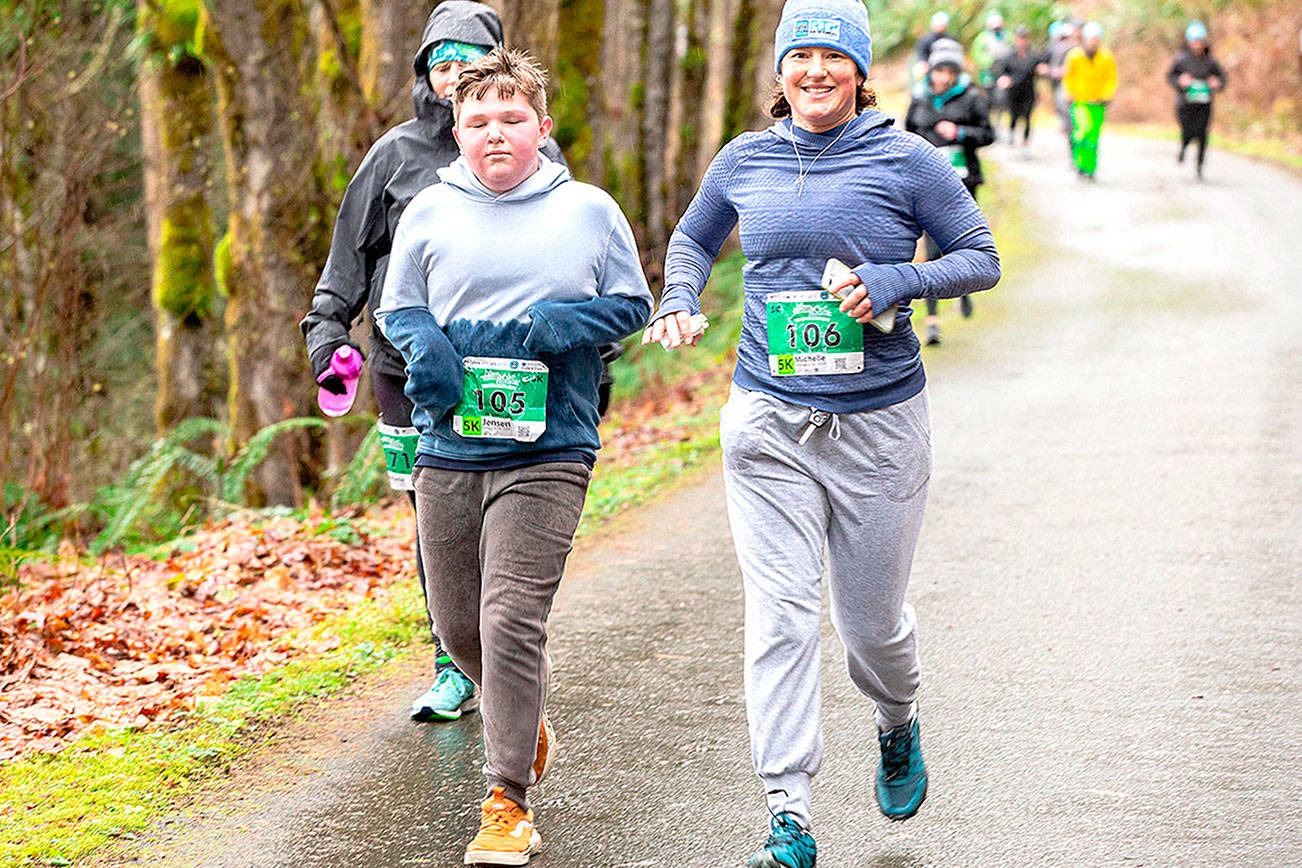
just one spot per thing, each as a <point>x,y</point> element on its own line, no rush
<point>1090,80</point>
<point>1086,124</point>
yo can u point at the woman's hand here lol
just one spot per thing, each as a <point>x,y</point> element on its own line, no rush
<point>854,301</point>
<point>671,331</point>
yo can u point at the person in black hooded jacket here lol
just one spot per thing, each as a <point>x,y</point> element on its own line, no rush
<point>404,161</point>
<point>954,115</point>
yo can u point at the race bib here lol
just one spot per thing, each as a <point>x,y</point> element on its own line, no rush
<point>957,156</point>
<point>1199,91</point>
<point>808,334</point>
<point>502,398</point>
<point>399,445</point>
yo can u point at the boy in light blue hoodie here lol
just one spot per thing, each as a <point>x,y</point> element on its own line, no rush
<point>499,321</point>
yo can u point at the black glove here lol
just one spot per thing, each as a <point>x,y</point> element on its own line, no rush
<point>321,363</point>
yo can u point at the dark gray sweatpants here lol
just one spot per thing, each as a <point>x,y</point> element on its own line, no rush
<point>494,545</point>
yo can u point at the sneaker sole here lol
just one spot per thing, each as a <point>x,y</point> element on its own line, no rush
<point>488,857</point>
<point>900,818</point>
<point>427,714</point>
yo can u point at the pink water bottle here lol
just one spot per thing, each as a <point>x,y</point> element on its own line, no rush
<point>346,363</point>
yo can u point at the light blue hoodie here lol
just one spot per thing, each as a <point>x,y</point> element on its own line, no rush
<point>546,271</point>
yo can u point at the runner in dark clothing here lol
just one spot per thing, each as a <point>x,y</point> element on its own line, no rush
<point>1015,76</point>
<point>1196,77</point>
<point>404,161</point>
<point>954,116</point>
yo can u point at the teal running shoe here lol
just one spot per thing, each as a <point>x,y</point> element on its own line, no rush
<point>902,777</point>
<point>789,846</point>
<point>452,695</point>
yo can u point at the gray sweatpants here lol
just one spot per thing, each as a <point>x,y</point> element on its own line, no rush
<point>494,545</point>
<point>856,488</point>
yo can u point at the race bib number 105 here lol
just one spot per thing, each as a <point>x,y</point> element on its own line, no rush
<point>808,334</point>
<point>502,398</point>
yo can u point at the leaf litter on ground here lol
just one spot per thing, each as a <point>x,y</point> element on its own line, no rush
<point>130,641</point>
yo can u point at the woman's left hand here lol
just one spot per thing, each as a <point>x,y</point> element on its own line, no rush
<point>854,297</point>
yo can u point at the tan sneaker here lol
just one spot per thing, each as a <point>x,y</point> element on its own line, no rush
<point>542,758</point>
<point>506,834</point>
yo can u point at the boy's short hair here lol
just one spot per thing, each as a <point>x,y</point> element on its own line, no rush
<point>507,70</point>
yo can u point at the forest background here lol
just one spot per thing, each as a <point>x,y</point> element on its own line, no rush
<point>170,170</point>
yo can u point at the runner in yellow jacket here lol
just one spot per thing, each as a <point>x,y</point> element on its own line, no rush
<point>1090,79</point>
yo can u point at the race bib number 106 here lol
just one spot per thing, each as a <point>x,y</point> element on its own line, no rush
<point>808,334</point>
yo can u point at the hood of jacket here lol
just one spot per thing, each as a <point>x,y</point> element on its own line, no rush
<point>549,176</point>
<point>960,87</point>
<point>460,20</point>
<point>838,139</point>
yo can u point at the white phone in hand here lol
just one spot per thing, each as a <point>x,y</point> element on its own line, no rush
<point>834,272</point>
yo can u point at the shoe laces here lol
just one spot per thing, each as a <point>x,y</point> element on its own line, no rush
<point>897,745</point>
<point>499,815</point>
<point>786,833</point>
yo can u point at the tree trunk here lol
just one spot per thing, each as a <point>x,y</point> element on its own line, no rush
<point>176,121</point>
<point>718,72</point>
<point>659,53</point>
<point>391,32</point>
<point>278,231</point>
<point>617,118</point>
<point>531,25</point>
<point>761,17</point>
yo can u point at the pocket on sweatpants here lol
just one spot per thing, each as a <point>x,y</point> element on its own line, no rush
<point>902,442</point>
<point>741,428</point>
<point>442,499</point>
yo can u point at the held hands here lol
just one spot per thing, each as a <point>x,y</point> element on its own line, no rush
<point>1215,83</point>
<point>854,297</point>
<point>947,130</point>
<point>672,331</point>
<point>1185,79</point>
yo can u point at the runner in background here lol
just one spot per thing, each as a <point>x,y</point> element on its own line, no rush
<point>400,164</point>
<point>937,29</point>
<point>1016,74</point>
<point>1197,77</point>
<point>1091,81</point>
<point>988,49</point>
<point>1067,38</point>
<point>826,433</point>
<point>954,116</point>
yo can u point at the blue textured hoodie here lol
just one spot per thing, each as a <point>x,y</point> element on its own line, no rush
<point>546,272</point>
<point>868,194</point>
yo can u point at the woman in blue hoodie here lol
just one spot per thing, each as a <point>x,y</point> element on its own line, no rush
<point>826,436</point>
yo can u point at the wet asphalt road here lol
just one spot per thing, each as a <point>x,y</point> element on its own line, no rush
<point>1107,586</point>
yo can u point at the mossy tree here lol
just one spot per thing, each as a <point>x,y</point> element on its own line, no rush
<point>176,129</point>
<point>262,54</point>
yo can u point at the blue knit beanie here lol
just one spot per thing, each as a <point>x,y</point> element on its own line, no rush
<point>839,24</point>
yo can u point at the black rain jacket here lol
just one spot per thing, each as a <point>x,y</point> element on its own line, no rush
<point>404,161</point>
<point>1200,66</point>
<point>964,105</point>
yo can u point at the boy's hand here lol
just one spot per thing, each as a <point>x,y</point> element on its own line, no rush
<point>672,331</point>
<point>947,130</point>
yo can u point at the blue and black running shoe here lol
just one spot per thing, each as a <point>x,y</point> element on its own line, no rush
<point>902,777</point>
<point>789,846</point>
